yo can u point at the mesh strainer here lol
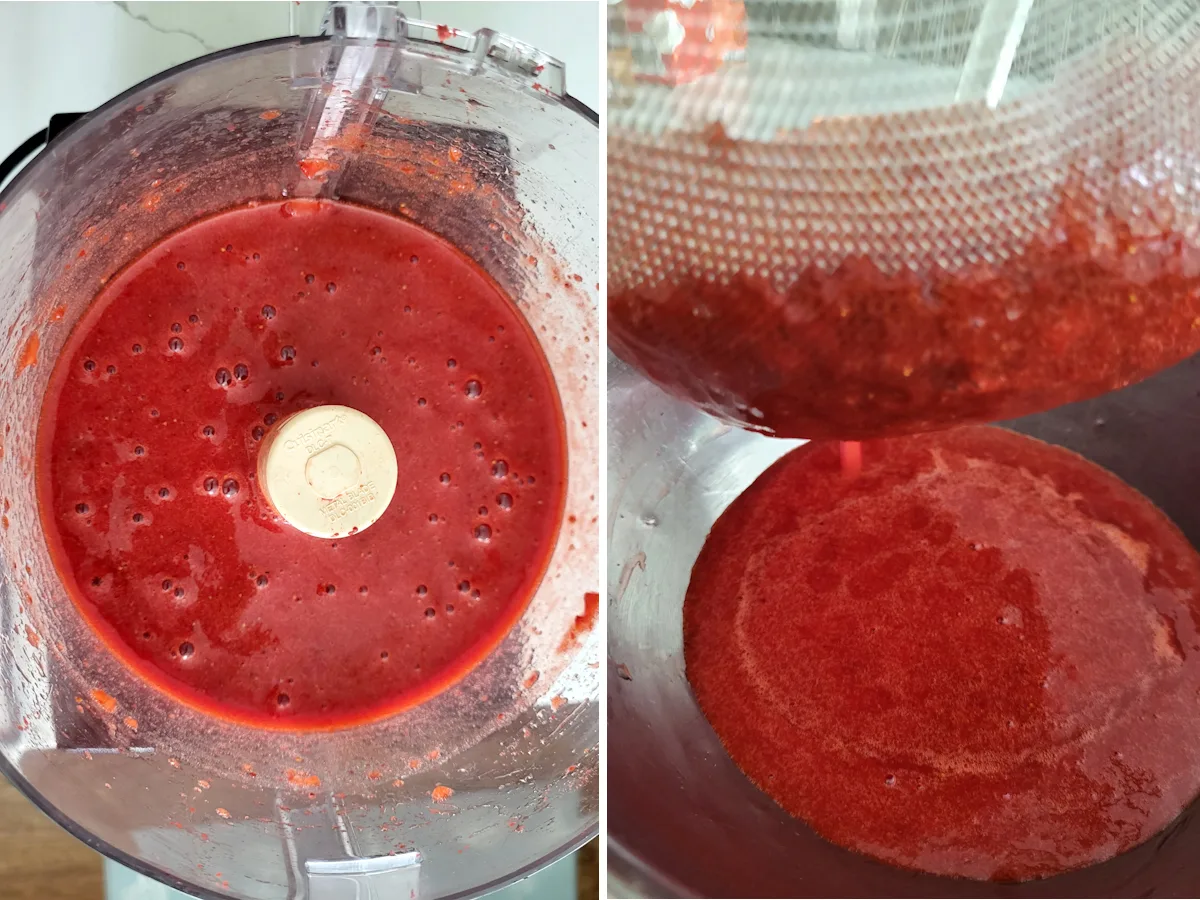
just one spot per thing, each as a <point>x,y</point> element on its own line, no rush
<point>846,218</point>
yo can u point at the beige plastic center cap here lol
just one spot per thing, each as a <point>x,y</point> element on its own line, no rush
<point>329,471</point>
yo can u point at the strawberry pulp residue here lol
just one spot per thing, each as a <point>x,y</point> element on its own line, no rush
<point>854,352</point>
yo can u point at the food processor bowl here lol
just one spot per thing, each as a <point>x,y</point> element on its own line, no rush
<point>683,819</point>
<point>472,136</point>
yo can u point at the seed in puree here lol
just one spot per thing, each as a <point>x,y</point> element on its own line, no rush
<point>150,433</point>
<point>977,658</point>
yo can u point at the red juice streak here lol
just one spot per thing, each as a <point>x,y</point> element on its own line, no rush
<point>583,624</point>
<point>979,658</point>
<point>853,352</point>
<point>850,453</point>
<point>148,447</point>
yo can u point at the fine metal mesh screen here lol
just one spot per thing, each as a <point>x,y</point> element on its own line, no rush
<point>770,136</point>
<point>846,218</point>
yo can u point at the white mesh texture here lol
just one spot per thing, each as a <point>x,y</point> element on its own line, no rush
<point>913,132</point>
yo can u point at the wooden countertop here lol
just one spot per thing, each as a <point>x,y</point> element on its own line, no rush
<point>40,861</point>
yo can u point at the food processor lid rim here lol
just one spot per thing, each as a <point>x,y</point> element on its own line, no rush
<point>89,117</point>
<point>86,119</point>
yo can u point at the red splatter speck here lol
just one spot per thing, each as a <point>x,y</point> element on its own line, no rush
<point>58,313</point>
<point>302,779</point>
<point>204,784</point>
<point>4,522</point>
<point>444,32</point>
<point>299,208</point>
<point>583,623</point>
<point>718,138</point>
<point>557,701</point>
<point>151,201</point>
<point>455,154</point>
<point>414,763</point>
<point>374,776</point>
<point>270,115</point>
<point>531,680</point>
<point>222,812</point>
<point>434,753</point>
<point>104,700</point>
<point>131,723</point>
<point>398,783</point>
<point>441,793</point>
<point>32,636</point>
<point>29,353</point>
<point>82,254</point>
<point>311,168</point>
<point>577,277</point>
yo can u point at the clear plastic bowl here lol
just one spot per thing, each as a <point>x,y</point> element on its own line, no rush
<point>204,805</point>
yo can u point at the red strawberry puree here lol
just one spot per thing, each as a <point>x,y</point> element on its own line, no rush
<point>148,449</point>
<point>979,657</point>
